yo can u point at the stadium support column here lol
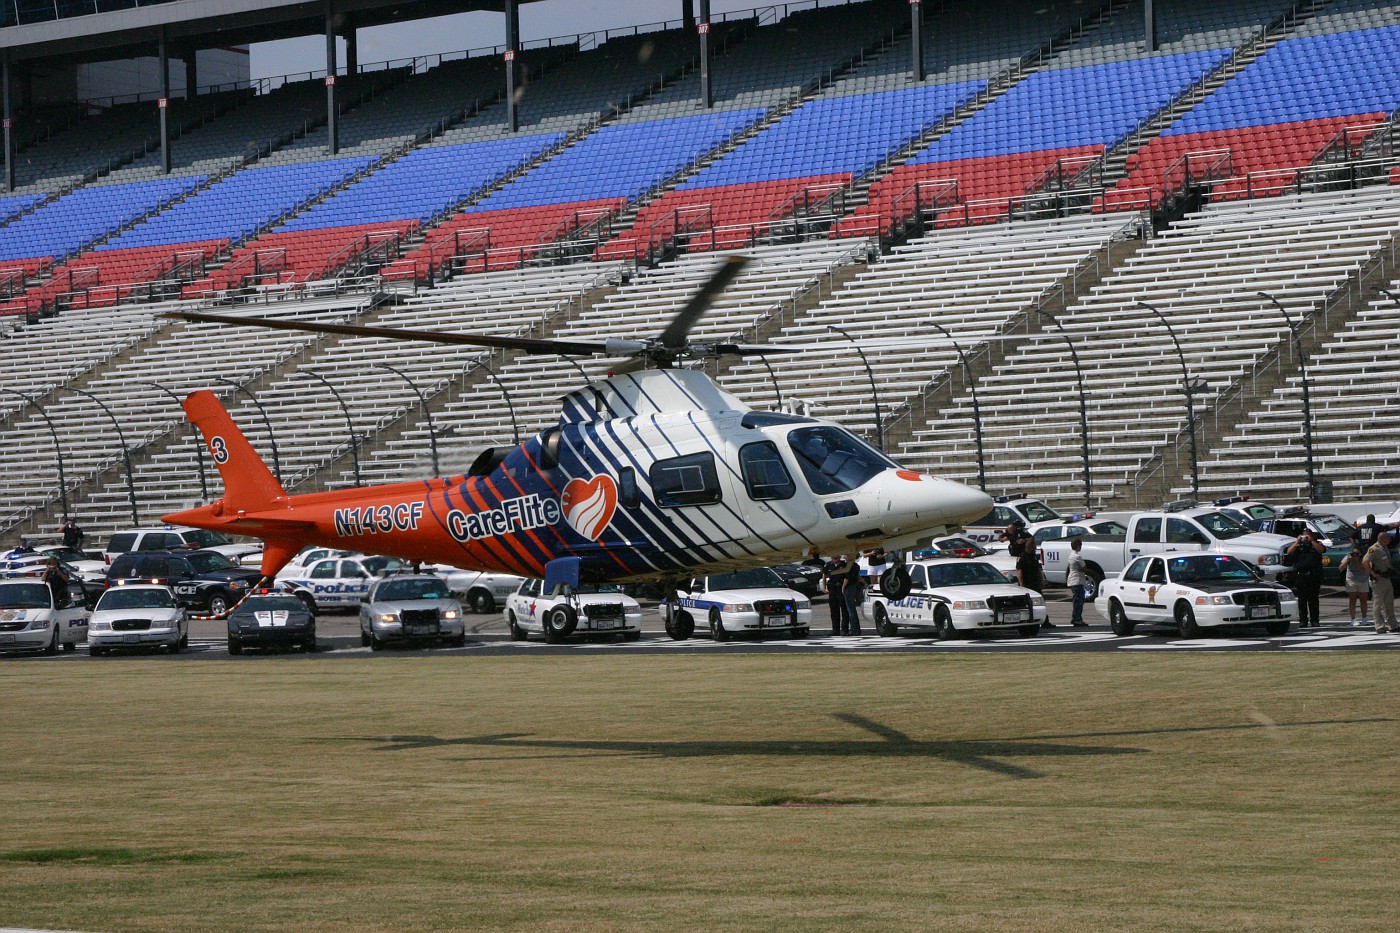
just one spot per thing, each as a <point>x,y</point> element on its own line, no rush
<point>164,103</point>
<point>512,44</point>
<point>9,124</point>
<point>916,37</point>
<point>332,131</point>
<point>707,97</point>
<point>191,73</point>
<point>1149,19</point>
<point>352,47</point>
<point>688,14</point>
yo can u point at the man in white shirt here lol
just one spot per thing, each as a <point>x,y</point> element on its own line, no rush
<point>1077,579</point>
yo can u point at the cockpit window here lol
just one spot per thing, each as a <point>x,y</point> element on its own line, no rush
<point>834,460</point>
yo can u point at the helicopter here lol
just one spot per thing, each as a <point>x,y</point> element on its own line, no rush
<point>653,473</point>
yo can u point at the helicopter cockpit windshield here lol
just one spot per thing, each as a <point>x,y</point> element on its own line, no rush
<point>834,460</point>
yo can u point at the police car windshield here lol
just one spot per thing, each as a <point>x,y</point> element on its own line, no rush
<point>1333,527</point>
<point>398,590</point>
<point>203,538</point>
<point>378,565</point>
<point>205,561</point>
<point>834,460</point>
<point>1221,525</point>
<point>586,588</point>
<point>129,598</point>
<point>969,573</point>
<point>269,604</point>
<point>1039,512</point>
<point>756,579</point>
<point>1204,568</point>
<point>24,596</point>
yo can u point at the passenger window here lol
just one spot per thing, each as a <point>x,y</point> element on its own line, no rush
<point>1135,571</point>
<point>765,474</point>
<point>352,571</point>
<point>918,577</point>
<point>1148,531</point>
<point>325,570</point>
<point>154,567</point>
<point>627,493</point>
<point>178,567</point>
<point>1156,572</point>
<point>1180,532</point>
<point>688,480</point>
<point>1002,516</point>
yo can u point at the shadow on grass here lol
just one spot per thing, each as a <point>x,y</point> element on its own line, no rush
<point>110,856</point>
<point>987,755</point>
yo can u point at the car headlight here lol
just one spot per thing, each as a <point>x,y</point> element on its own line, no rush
<point>737,607</point>
<point>386,617</point>
<point>450,614</point>
<point>1037,600</point>
<point>238,585</point>
<point>101,626</point>
<point>1268,560</point>
<point>38,625</point>
<point>970,604</point>
<point>1214,601</point>
<point>802,604</point>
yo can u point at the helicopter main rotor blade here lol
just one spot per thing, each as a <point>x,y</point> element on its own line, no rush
<point>541,345</point>
<point>674,336</point>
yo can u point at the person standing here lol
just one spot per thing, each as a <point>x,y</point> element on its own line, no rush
<point>57,582</point>
<point>1306,552</point>
<point>1378,566</point>
<point>73,536</point>
<point>853,593</point>
<point>1077,579</point>
<point>832,579</point>
<point>1356,583</point>
<point>1028,572</point>
<point>1367,533</point>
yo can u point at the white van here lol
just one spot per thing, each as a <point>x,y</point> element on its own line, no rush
<point>29,620</point>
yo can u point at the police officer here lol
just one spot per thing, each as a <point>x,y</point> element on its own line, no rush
<point>1306,552</point>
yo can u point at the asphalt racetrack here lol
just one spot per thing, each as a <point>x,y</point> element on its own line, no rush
<point>338,635</point>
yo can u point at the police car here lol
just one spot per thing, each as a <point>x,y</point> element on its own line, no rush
<point>478,590</point>
<point>592,609</point>
<point>953,595</point>
<point>1052,543</point>
<point>90,569</point>
<point>964,547</point>
<point>753,601</point>
<point>1191,592</point>
<point>205,581</point>
<point>1332,530</point>
<point>410,608</point>
<point>141,615</point>
<point>271,620</point>
<point>1243,509</point>
<point>336,582</point>
<point>1016,507</point>
<point>30,621</point>
<point>83,591</point>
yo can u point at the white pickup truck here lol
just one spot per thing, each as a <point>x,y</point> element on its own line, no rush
<point>1185,530</point>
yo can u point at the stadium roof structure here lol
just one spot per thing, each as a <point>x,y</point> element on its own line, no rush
<point>108,29</point>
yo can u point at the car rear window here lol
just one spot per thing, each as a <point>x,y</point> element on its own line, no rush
<point>124,566</point>
<point>121,542</point>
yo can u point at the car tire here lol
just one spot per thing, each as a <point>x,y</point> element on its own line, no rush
<point>1186,625</point>
<point>235,646</point>
<point>70,646</point>
<point>375,643</point>
<point>96,652</point>
<point>717,631</point>
<point>310,646</point>
<point>1277,627</point>
<point>943,624</point>
<point>364,638</point>
<point>459,642</point>
<point>680,626</point>
<point>516,632</point>
<point>1118,619</point>
<point>481,602</point>
<point>559,623</point>
<point>1029,631</point>
<point>218,604</point>
<point>883,626</point>
<point>52,647</point>
<point>632,636</point>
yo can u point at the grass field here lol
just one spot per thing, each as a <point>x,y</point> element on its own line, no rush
<point>1251,791</point>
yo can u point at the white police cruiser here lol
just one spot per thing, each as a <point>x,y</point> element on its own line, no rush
<point>138,616</point>
<point>1191,592</point>
<point>29,620</point>
<point>478,590</point>
<point>591,609</point>
<point>1016,507</point>
<point>752,601</point>
<point>336,582</point>
<point>953,595</point>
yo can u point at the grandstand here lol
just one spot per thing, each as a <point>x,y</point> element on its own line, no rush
<point>1048,169</point>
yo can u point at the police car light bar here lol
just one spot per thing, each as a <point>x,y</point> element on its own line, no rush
<point>1231,500</point>
<point>1008,498</point>
<point>1179,505</point>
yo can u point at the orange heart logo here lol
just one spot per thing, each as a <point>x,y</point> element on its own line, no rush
<point>589,505</point>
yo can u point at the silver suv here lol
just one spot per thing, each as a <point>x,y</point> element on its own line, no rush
<point>410,608</point>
